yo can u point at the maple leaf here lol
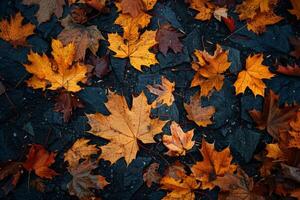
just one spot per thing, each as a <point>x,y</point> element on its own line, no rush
<point>209,70</point>
<point>151,175</point>
<point>204,7</point>
<point>47,8</point>
<point>124,127</point>
<point>274,151</point>
<point>200,115</point>
<point>215,164</point>
<point>295,132</point>
<point>136,50</point>
<point>80,150</point>
<point>296,8</point>
<point>83,180</point>
<point>132,7</point>
<point>230,23</point>
<point>289,70</point>
<point>273,118</point>
<point>251,77</point>
<point>163,91</point>
<point>66,103</point>
<point>100,65</point>
<point>39,160</point>
<point>237,186</point>
<point>261,20</point>
<point>59,72</point>
<point>168,38</point>
<point>14,32</point>
<point>82,37</point>
<point>296,43</point>
<point>179,142</point>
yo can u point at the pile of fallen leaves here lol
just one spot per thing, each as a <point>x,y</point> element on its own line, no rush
<point>186,156</point>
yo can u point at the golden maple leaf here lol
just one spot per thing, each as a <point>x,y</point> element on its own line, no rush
<point>204,7</point>
<point>80,150</point>
<point>253,75</point>
<point>209,70</point>
<point>59,72</point>
<point>163,91</point>
<point>179,142</point>
<point>261,20</point>
<point>214,165</point>
<point>14,32</point>
<point>296,8</point>
<point>137,50</point>
<point>124,127</point>
<point>200,115</point>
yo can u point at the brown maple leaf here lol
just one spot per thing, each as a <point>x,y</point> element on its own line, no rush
<point>296,43</point>
<point>14,32</point>
<point>209,70</point>
<point>124,127</point>
<point>179,142</point>
<point>215,164</point>
<point>39,160</point>
<point>200,115</point>
<point>151,175</point>
<point>168,38</point>
<point>47,8</point>
<point>289,70</point>
<point>273,118</point>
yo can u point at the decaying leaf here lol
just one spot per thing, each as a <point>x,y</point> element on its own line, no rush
<point>124,127</point>
<point>179,142</point>
<point>47,8</point>
<point>168,38</point>
<point>100,65</point>
<point>215,164</point>
<point>82,37</point>
<point>296,8</point>
<point>136,50</point>
<point>163,91</point>
<point>289,70</point>
<point>296,43</point>
<point>10,171</point>
<point>14,32</point>
<point>83,180</point>
<point>59,72</point>
<point>274,118</point>
<point>80,150</point>
<point>151,175</point>
<point>295,132</point>
<point>209,70</point>
<point>39,160</point>
<point>200,115</point>
<point>253,75</point>
<point>132,7</point>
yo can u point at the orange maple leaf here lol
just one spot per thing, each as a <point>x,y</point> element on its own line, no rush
<point>209,70</point>
<point>124,127</point>
<point>179,142</point>
<point>59,72</point>
<point>215,164</point>
<point>253,75</point>
<point>14,32</point>
<point>39,160</point>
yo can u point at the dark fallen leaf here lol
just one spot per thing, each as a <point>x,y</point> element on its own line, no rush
<point>12,170</point>
<point>79,15</point>
<point>66,103</point>
<point>2,88</point>
<point>289,70</point>
<point>229,22</point>
<point>296,43</point>
<point>100,65</point>
<point>38,184</point>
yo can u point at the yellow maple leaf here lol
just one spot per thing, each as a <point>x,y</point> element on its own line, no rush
<point>261,20</point>
<point>209,70</point>
<point>179,142</point>
<point>296,8</point>
<point>136,50</point>
<point>59,72</point>
<point>214,164</point>
<point>204,7</point>
<point>124,127</point>
<point>253,75</point>
<point>274,151</point>
<point>249,8</point>
<point>163,91</point>
<point>14,32</point>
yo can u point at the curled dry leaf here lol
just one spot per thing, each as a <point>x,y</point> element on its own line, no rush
<point>14,32</point>
<point>47,8</point>
<point>151,175</point>
<point>124,127</point>
<point>163,91</point>
<point>39,160</point>
<point>274,118</point>
<point>168,38</point>
<point>83,180</point>
<point>215,164</point>
<point>59,72</point>
<point>80,150</point>
<point>209,70</point>
<point>296,8</point>
<point>253,75</point>
<point>289,70</point>
<point>200,115</point>
<point>179,142</point>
